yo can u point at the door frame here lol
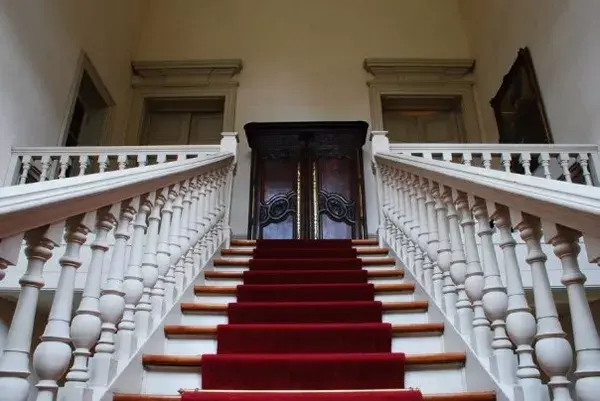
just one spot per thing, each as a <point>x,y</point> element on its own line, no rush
<point>425,77</point>
<point>303,128</point>
<point>181,79</point>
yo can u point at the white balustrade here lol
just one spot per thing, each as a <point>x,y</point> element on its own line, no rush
<point>570,163</point>
<point>33,164</point>
<point>173,218</point>
<point>441,206</point>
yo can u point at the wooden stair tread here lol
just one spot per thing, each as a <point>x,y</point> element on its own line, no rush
<point>252,242</point>
<point>467,396</point>
<point>229,290</point>
<point>190,307</point>
<point>224,262</point>
<point>397,329</point>
<point>239,275</point>
<point>250,252</point>
<point>414,360</point>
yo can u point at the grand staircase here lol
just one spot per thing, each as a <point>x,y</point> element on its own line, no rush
<point>300,329</point>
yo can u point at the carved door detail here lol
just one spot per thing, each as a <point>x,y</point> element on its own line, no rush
<point>306,180</point>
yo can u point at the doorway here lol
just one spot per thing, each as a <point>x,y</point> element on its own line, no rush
<point>306,180</point>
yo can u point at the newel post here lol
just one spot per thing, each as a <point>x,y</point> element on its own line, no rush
<point>229,141</point>
<point>379,144</point>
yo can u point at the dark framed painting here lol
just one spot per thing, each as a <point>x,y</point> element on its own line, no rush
<point>518,105</point>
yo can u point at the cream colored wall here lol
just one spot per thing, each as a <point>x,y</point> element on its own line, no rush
<point>563,38</point>
<point>302,58</point>
<point>40,43</point>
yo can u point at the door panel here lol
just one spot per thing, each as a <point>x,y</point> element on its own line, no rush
<point>278,200</point>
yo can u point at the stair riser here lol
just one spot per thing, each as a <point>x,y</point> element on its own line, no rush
<point>244,268</point>
<point>212,319</point>
<point>225,299</point>
<point>445,379</point>
<point>419,344</point>
<point>233,282</point>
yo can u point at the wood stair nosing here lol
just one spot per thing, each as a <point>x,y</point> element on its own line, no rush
<point>408,306</point>
<point>467,396</point>
<point>397,329</point>
<point>415,360</point>
<point>252,242</point>
<point>213,274</point>
<point>359,251</point>
<point>230,290</point>
<point>229,262</point>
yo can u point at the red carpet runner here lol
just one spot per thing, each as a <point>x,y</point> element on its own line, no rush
<point>305,320</point>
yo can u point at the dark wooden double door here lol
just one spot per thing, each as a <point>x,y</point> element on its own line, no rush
<point>307,180</point>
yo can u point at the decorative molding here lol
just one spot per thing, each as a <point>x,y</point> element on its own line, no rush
<point>184,72</point>
<point>405,68</point>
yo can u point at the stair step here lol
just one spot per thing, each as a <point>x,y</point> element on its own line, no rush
<point>397,330</point>
<point>412,361</point>
<point>233,262</point>
<point>409,306</point>
<point>474,396</point>
<point>359,251</point>
<point>212,274</point>
<point>252,242</point>
<point>379,288</point>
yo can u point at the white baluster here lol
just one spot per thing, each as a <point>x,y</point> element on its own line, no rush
<point>495,300</point>
<point>505,160</point>
<point>481,335</point>
<point>467,158</point>
<point>403,242</point>
<point>520,323</point>
<point>525,160</point>
<point>433,244</point>
<point>414,230</point>
<point>14,360</point>
<point>86,325</point>
<point>444,254</point>
<point>84,162</point>
<point>408,223</point>
<point>376,169</point>
<point>544,160</point>
<point>52,356</point>
<point>102,163</point>
<point>229,193</point>
<point>193,232</point>
<point>143,310</point>
<point>175,244</point>
<point>112,304</point>
<point>26,166</point>
<point>583,161</point>
<point>45,161</point>
<point>133,285</point>
<point>142,159</point>
<point>122,161</point>
<point>563,160</point>
<point>486,160</point>
<point>163,257</point>
<point>64,163</point>
<point>200,223</point>
<point>553,352</point>
<point>458,269</point>
<point>585,334</point>
<point>184,237</point>
<point>174,247</point>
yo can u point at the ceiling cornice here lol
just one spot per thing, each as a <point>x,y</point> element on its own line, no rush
<point>385,67</point>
